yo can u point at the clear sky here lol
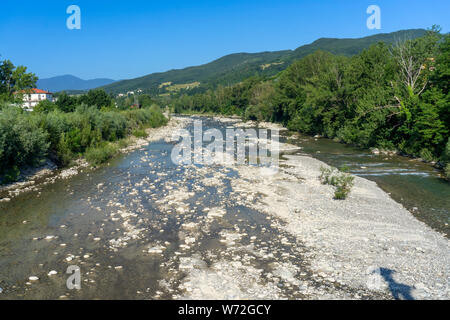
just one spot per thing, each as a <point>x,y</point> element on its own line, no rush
<point>126,39</point>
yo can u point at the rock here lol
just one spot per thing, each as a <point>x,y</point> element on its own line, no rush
<point>52,273</point>
<point>155,250</point>
<point>216,213</point>
<point>33,278</point>
<point>375,151</point>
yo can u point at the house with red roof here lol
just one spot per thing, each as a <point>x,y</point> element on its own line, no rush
<point>31,97</point>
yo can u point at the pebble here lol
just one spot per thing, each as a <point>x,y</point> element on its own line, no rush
<point>52,273</point>
<point>33,278</point>
<point>155,250</point>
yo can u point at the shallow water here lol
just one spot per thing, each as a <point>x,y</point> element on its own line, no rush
<point>415,184</point>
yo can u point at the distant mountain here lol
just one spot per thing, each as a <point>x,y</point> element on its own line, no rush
<point>69,82</point>
<point>236,67</point>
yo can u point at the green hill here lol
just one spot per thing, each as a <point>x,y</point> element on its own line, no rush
<point>234,68</point>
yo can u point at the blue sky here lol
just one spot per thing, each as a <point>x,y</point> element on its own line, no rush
<point>126,39</point>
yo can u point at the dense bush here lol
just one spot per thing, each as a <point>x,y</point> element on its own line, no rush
<point>28,138</point>
<point>22,140</point>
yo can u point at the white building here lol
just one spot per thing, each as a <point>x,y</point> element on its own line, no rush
<point>33,96</point>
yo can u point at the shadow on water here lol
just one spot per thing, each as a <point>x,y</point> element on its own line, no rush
<point>398,290</point>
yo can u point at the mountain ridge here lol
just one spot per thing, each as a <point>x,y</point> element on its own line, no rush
<point>236,67</point>
<point>68,82</point>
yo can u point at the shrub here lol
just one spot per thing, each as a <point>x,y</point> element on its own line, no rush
<point>101,154</point>
<point>140,133</point>
<point>10,175</point>
<point>44,106</point>
<point>339,179</point>
<point>63,153</point>
<point>22,141</point>
<point>26,138</point>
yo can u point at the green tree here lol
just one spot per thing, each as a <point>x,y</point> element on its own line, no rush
<point>96,97</point>
<point>66,103</point>
<point>44,106</point>
<point>14,79</point>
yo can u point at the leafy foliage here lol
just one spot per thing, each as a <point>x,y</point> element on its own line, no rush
<point>27,138</point>
<point>14,79</point>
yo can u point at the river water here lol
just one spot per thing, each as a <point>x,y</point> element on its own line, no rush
<point>136,226</point>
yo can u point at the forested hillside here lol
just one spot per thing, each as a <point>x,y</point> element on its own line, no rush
<point>234,68</point>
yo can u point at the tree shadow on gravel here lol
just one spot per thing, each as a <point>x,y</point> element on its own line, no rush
<point>398,290</point>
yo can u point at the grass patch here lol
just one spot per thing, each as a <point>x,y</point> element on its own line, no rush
<point>340,179</point>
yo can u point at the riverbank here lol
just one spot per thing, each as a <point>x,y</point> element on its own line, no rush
<point>34,178</point>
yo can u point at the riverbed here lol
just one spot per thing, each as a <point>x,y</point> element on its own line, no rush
<point>142,227</point>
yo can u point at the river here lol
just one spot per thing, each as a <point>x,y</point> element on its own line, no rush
<point>139,225</point>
